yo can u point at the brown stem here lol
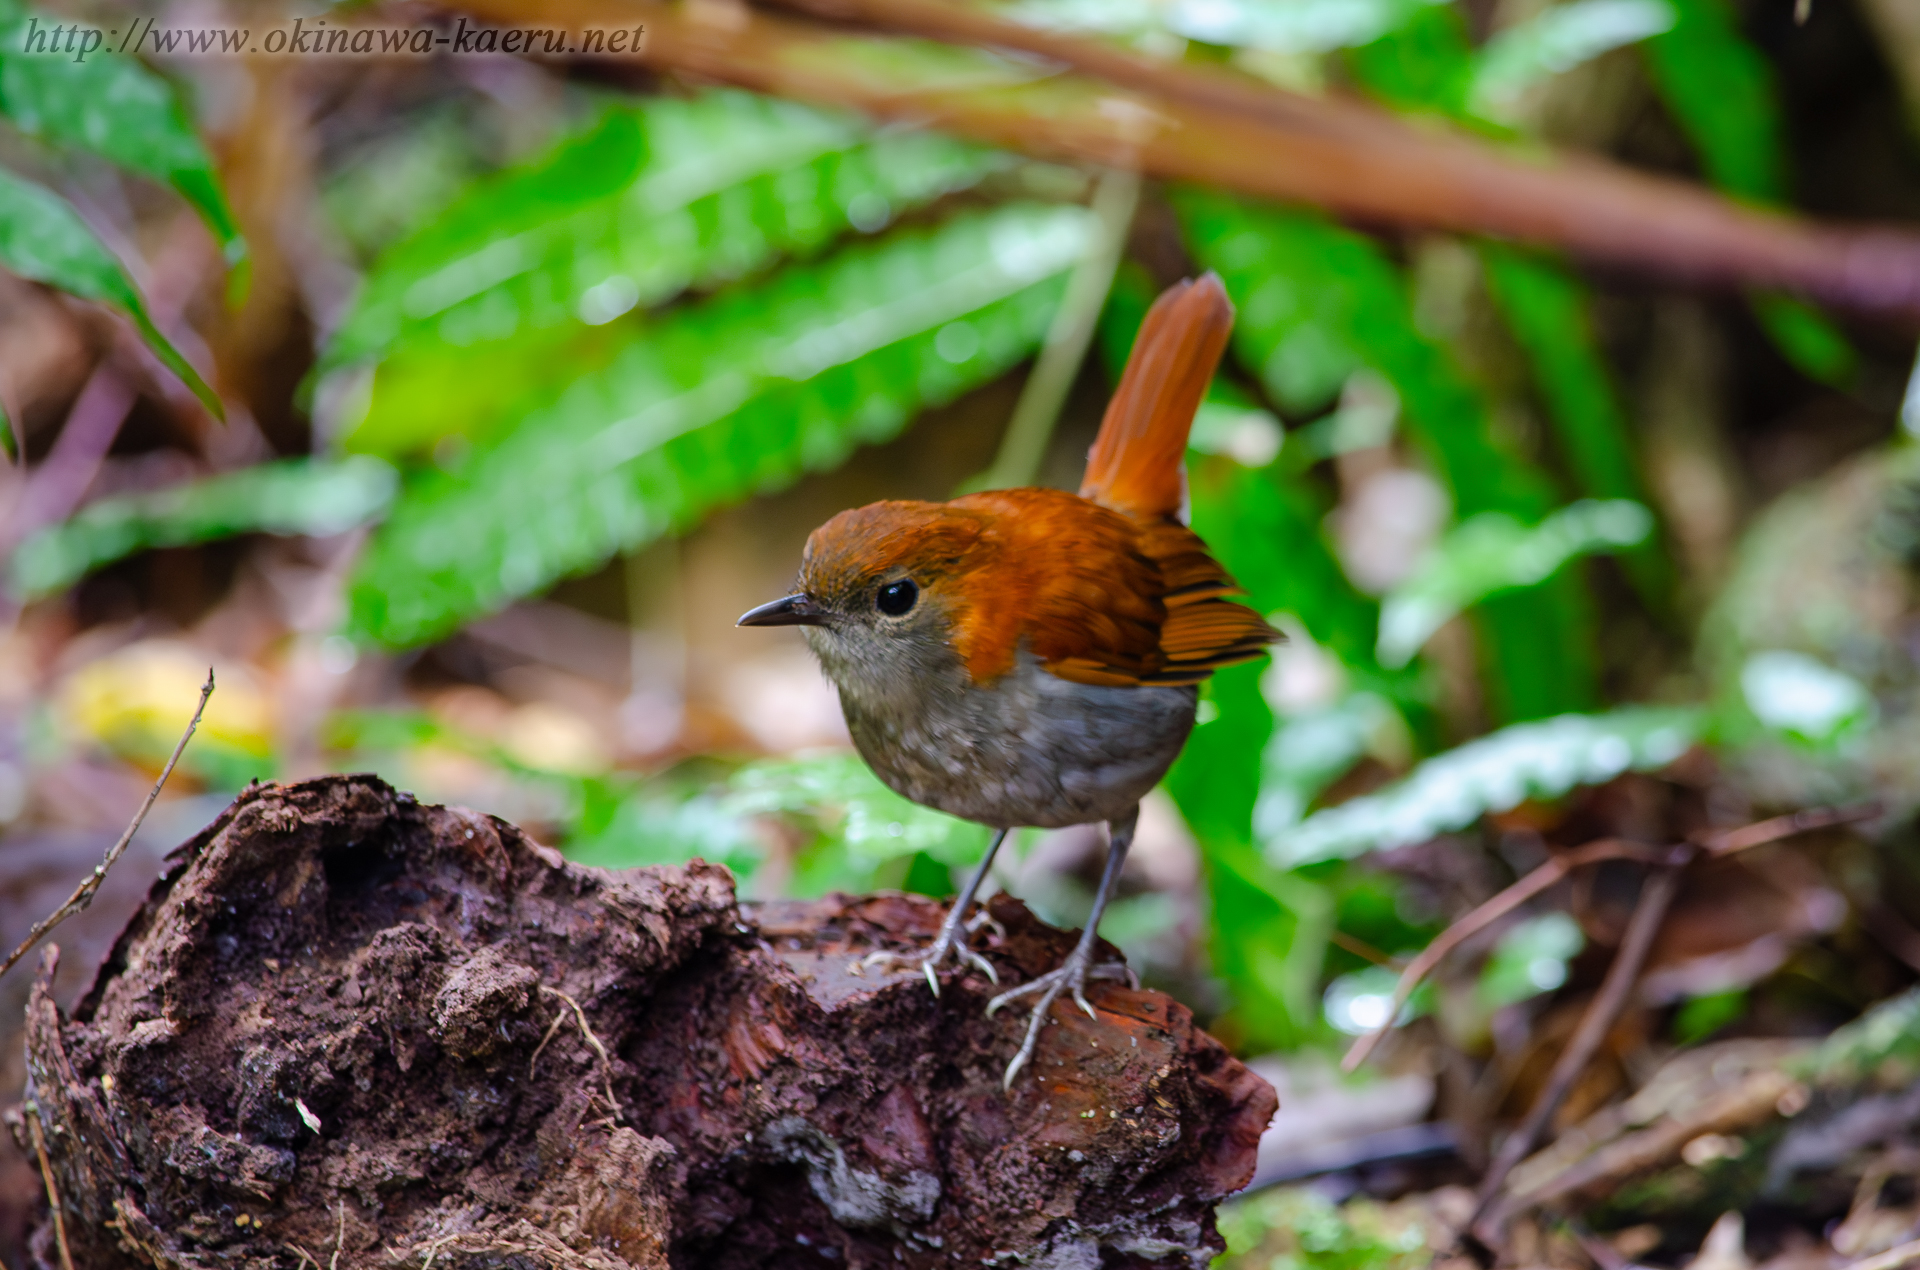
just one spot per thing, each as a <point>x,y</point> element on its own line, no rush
<point>1729,841</point>
<point>53,1192</point>
<point>1655,895</point>
<point>84,893</point>
<point>1478,920</point>
<point>1893,1258</point>
<point>1180,123</point>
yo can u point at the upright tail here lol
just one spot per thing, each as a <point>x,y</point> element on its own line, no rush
<point>1135,463</point>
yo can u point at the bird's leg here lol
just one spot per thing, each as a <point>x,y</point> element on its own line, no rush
<point>949,940</point>
<point>1074,972</point>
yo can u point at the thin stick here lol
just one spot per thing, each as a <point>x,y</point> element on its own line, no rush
<point>1729,841</point>
<point>84,893</point>
<point>1615,989</point>
<point>339,1239</point>
<point>1892,1259</point>
<point>1478,920</point>
<point>606,1063</point>
<point>53,1192</point>
<point>1025,442</point>
<point>1358,947</point>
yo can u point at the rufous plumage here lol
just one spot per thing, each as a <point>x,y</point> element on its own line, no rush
<point>1030,656</point>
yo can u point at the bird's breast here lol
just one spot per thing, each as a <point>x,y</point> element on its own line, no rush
<point>1026,749</point>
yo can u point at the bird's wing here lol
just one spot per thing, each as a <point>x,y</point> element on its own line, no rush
<point>1067,583</point>
<point>1102,598</point>
<point>1205,629</point>
<point>1135,464</point>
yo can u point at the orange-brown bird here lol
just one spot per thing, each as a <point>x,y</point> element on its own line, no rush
<point>1030,656</point>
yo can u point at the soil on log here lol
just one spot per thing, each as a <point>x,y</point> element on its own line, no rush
<point>348,1029</point>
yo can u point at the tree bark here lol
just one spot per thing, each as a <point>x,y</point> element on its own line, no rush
<point>350,1030</point>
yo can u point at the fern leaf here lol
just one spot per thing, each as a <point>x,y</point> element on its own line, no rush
<point>712,403</point>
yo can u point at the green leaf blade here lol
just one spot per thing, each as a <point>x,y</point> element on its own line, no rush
<point>1492,553</point>
<point>291,497</point>
<point>1498,772</point>
<point>43,239</point>
<point>652,200</point>
<point>112,106</point>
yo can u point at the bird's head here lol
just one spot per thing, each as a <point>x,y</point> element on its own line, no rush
<point>886,594</point>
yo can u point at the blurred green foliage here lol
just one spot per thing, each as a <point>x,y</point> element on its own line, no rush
<point>1498,772</point>
<point>1491,553</point>
<point>111,106</point>
<point>294,496</point>
<point>1301,1229</point>
<point>42,238</point>
<point>711,403</point>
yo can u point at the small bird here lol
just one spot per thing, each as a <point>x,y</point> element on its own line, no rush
<point>1030,656</point>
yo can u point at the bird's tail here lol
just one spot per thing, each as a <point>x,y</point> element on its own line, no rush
<point>1135,463</point>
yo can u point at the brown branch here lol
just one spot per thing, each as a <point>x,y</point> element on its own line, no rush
<point>1655,895</point>
<point>1892,1259</point>
<point>1182,123</point>
<point>84,893</point>
<point>1478,920</point>
<point>53,1192</point>
<point>1728,841</point>
<point>1359,948</point>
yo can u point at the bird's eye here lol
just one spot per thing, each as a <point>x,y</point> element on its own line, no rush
<point>897,598</point>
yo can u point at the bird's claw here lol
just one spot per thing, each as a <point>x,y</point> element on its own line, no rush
<point>1071,977</point>
<point>930,961</point>
<point>983,918</point>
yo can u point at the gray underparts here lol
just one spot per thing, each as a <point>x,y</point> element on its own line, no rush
<point>1029,749</point>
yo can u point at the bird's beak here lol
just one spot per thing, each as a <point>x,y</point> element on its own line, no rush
<point>797,609</point>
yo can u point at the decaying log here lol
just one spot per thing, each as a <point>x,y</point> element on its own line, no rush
<point>350,1030</point>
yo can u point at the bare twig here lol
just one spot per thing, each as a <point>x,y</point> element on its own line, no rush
<point>339,1239</point>
<point>1025,443</point>
<point>606,1063</point>
<point>1715,843</point>
<point>84,893</point>
<point>1892,1259</point>
<point>53,1192</point>
<point>306,1257</point>
<point>1479,919</point>
<point>1655,895</point>
<point>433,1249</point>
<point>1359,948</point>
<point>1728,841</point>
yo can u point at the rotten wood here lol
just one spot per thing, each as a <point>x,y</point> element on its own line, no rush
<point>314,1044</point>
<point>1089,103</point>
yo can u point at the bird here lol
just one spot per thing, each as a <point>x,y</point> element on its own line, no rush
<point>1031,657</point>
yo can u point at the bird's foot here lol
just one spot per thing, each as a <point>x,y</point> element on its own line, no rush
<point>1071,977</point>
<point>950,945</point>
